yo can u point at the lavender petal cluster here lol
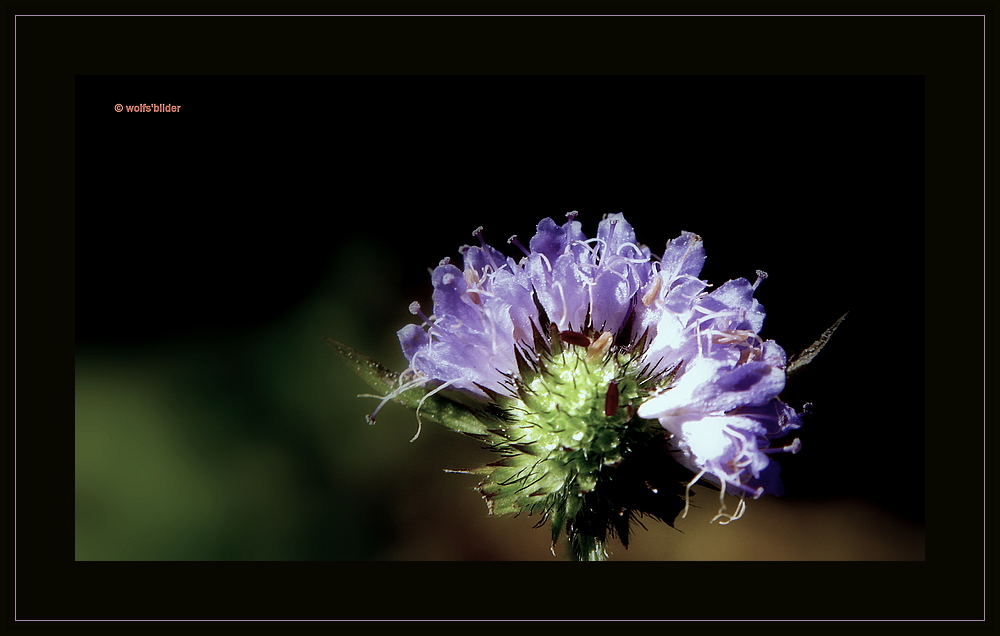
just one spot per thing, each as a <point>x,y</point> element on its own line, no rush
<point>718,397</point>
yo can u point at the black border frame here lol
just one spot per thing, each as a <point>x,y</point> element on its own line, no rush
<point>945,587</point>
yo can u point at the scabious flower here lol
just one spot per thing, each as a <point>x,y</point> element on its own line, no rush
<point>599,371</point>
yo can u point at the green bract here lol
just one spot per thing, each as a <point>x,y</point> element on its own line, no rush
<point>570,428</point>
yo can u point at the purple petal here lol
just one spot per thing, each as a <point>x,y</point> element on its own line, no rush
<point>411,338</point>
<point>776,418</point>
<point>617,238</point>
<point>736,295</point>
<point>481,258</point>
<point>552,240</point>
<point>685,255</point>
<point>450,298</point>
<point>612,293</point>
<point>562,292</point>
<point>523,312</point>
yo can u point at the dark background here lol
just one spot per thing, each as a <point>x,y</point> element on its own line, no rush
<point>252,446</point>
<point>215,247</point>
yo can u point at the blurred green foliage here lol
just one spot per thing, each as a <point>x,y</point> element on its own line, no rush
<point>251,444</point>
<point>247,445</point>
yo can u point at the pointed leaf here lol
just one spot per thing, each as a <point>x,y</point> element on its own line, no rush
<point>374,374</point>
<point>800,360</point>
<point>435,408</point>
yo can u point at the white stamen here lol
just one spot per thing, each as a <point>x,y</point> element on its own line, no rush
<point>565,314</point>
<point>421,403</point>
<point>593,250</point>
<point>637,249</point>
<point>545,259</point>
<point>741,507</point>
<point>392,395</point>
<point>761,275</point>
<point>792,448</point>
<point>513,239</point>
<point>722,503</point>
<point>687,493</point>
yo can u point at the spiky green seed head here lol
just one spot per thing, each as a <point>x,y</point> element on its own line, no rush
<point>565,440</point>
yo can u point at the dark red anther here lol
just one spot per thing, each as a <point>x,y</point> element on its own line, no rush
<point>574,338</point>
<point>611,399</point>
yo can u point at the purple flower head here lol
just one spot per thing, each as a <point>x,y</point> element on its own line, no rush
<point>651,334</point>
